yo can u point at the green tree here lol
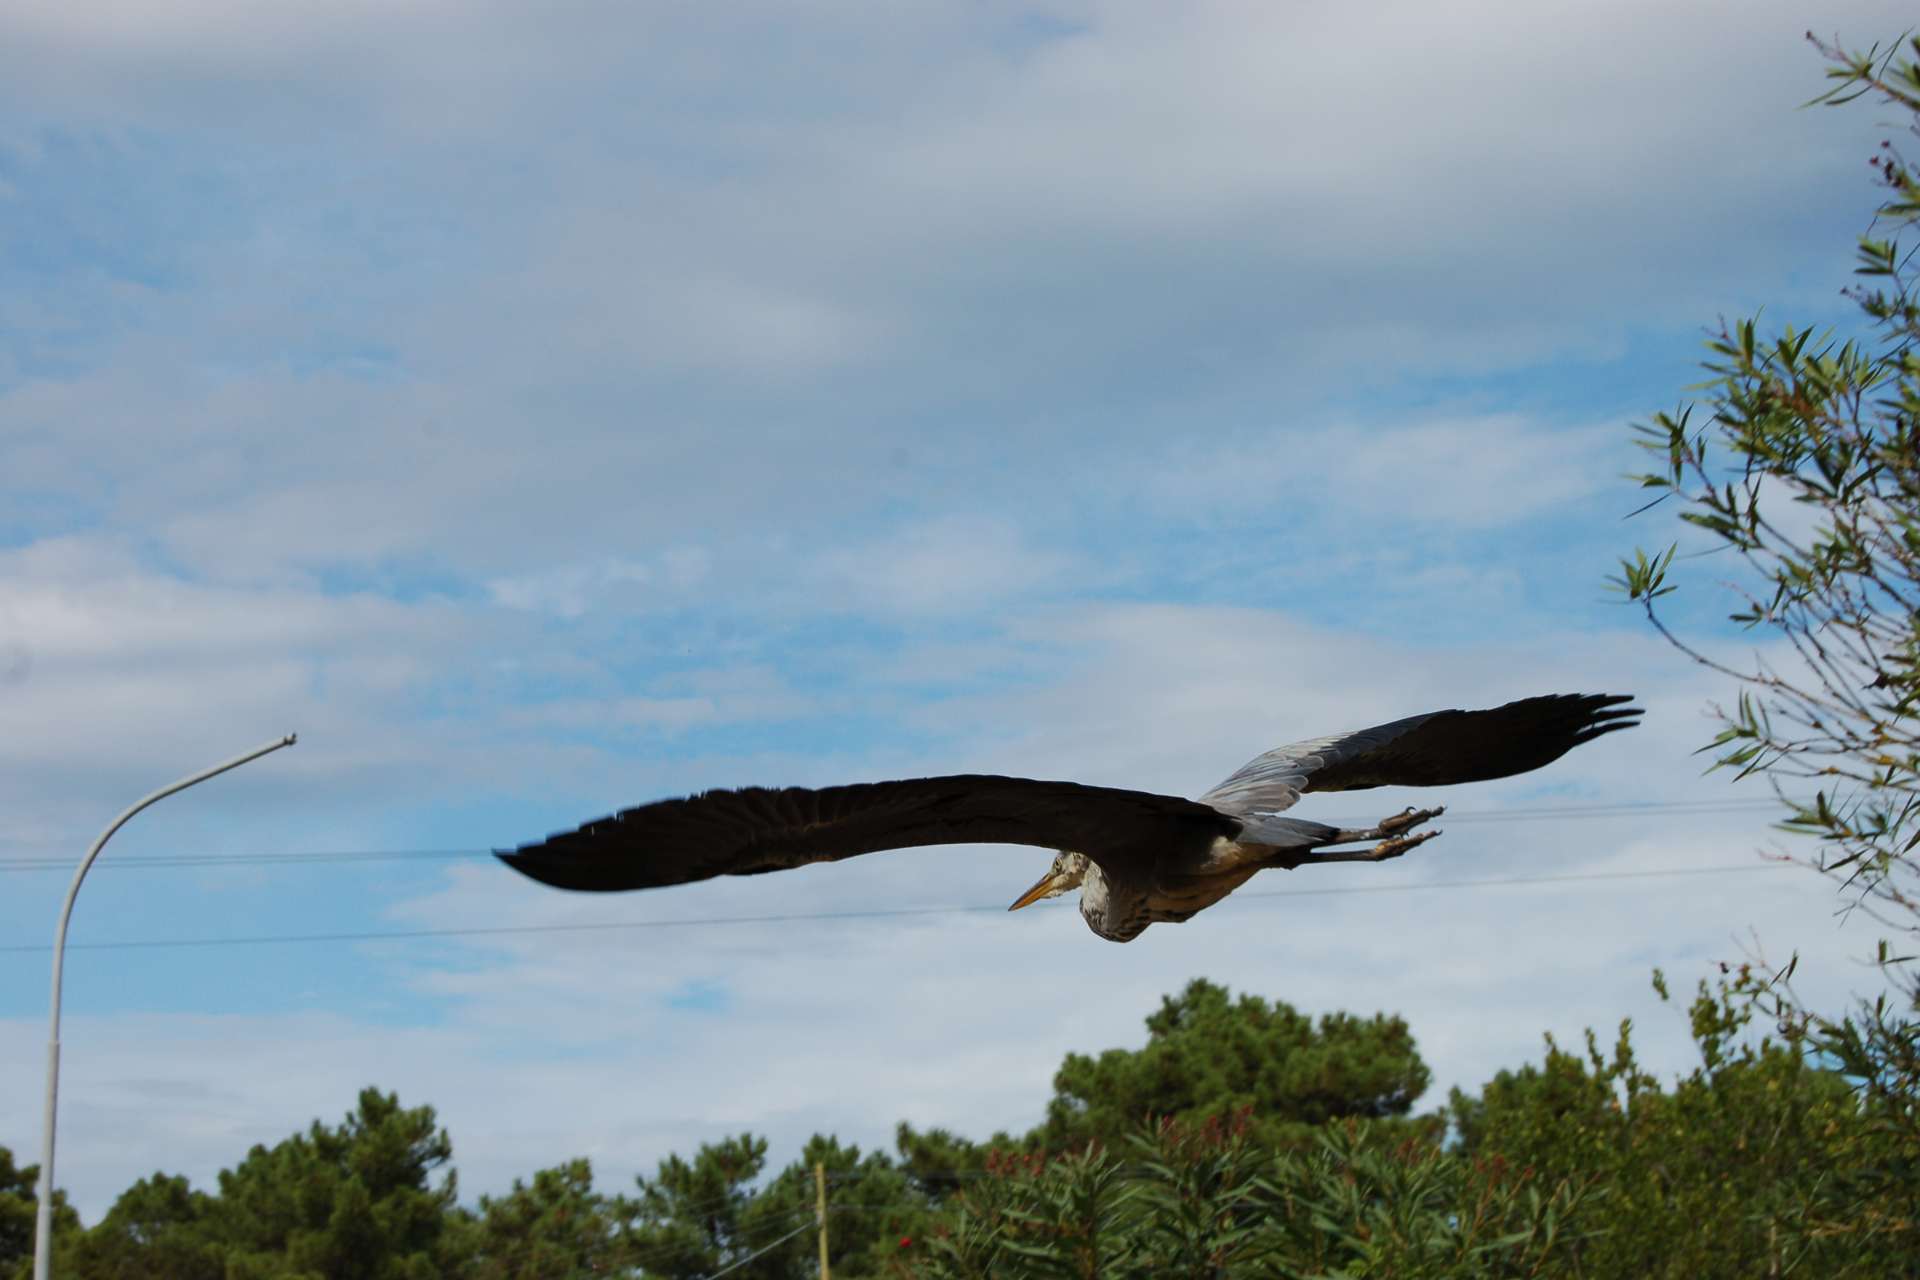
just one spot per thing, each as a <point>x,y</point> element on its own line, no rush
<point>1363,1204</point>
<point>1806,470</point>
<point>694,1217</point>
<point>555,1228</point>
<point>937,1163</point>
<point>873,1204</point>
<point>16,1212</point>
<point>689,1217</point>
<point>1209,1055</point>
<point>352,1202</point>
<point>159,1229</point>
<point>1208,1204</point>
<point>19,1204</point>
<point>1725,1174</point>
<point>1204,1201</point>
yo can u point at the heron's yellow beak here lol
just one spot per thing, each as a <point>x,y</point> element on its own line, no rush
<point>1045,889</point>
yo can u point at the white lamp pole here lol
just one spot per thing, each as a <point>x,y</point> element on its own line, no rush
<point>43,1220</point>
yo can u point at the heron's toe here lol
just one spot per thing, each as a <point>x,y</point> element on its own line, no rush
<point>1408,818</point>
<point>1397,845</point>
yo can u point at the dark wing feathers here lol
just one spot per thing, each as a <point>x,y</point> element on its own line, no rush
<point>758,829</point>
<point>1433,750</point>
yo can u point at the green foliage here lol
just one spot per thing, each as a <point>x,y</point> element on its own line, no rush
<point>1806,472</point>
<point>1760,1161</point>
<point>1208,1055</point>
<point>1754,1163</point>
<point>18,1205</point>
<point>348,1203</point>
<point>1359,1207</point>
<point>1870,1201</point>
<point>695,1217</point>
<point>1209,1203</point>
<point>16,1212</point>
<point>1729,1173</point>
<point>937,1163</point>
<point>158,1228</point>
<point>352,1202</point>
<point>873,1205</point>
<point>555,1228</point>
<point>690,1217</point>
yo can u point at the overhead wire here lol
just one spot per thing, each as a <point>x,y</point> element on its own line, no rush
<point>659,1254</point>
<point>875,913</point>
<point>762,1252</point>
<point>1572,813</point>
<point>1565,813</point>
<point>739,1199</point>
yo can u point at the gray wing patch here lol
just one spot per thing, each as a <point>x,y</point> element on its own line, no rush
<point>1438,749</point>
<point>1275,781</point>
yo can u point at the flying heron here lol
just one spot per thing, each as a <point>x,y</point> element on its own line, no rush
<point>1136,857</point>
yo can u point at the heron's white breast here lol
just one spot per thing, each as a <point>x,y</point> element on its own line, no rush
<point>1110,910</point>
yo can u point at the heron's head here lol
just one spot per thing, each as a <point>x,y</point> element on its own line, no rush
<point>1067,871</point>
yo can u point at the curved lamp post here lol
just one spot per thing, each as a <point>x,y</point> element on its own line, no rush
<point>43,1219</point>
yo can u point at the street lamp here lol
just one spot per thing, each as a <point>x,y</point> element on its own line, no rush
<point>43,1220</point>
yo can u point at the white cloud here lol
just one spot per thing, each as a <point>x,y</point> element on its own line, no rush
<point>620,584</point>
<point>570,591</point>
<point>148,653</point>
<point>1461,473</point>
<point>574,408</point>
<point>735,696</point>
<point>955,566</point>
<point>1019,261</point>
<point>851,1025</point>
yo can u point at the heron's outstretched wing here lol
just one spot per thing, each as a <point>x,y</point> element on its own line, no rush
<point>759,829</point>
<point>1433,750</point>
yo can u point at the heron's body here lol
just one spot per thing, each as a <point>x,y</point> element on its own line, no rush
<point>1137,858</point>
<point>1165,890</point>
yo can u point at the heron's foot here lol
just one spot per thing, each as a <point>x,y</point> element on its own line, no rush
<point>1409,818</point>
<point>1397,845</point>
<point>1391,835</point>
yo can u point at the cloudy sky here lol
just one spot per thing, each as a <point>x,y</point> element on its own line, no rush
<point>544,409</point>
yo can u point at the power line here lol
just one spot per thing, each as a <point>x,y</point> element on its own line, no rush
<point>1569,813</point>
<point>1624,809</point>
<point>735,1266</point>
<point>252,859</point>
<point>658,1254</point>
<point>877,913</point>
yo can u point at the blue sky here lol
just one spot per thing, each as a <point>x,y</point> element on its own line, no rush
<point>543,411</point>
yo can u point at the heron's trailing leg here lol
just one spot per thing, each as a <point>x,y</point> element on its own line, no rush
<point>1391,834</point>
<point>1392,847</point>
